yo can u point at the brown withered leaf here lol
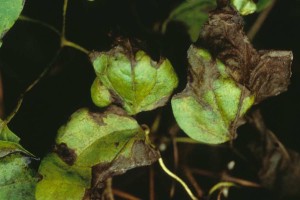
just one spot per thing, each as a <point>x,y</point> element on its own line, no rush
<point>264,73</point>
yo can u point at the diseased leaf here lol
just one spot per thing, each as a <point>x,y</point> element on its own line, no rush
<point>9,13</point>
<point>264,73</point>
<point>193,14</point>
<point>17,180</point>
<point>134,81</point>
<point>211,105</point>
<point>94,146</point>
<point>244,7</point>
<point>217,95</point>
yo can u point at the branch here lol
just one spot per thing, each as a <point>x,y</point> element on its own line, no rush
<point>260,20</point>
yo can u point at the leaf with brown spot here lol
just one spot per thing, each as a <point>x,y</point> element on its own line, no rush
<point>212,105</point>
<point>94,146</point>
<point>226,78</point>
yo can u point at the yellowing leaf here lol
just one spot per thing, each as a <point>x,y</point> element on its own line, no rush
<point>134,81</point>
<point>61,181</point>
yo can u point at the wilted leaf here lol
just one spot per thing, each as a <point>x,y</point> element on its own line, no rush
<point>9,13</point>
<point>217,95</point>
<point>133,80</point>
<point>99,145</point>
<point>209,108</point>
<point>193,14</point>
<point>264,73</point>
<point>17,180</point>
<point>245,7</point>
<point>6,134</point>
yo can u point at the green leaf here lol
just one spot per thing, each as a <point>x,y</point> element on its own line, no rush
<point>245,7</point>
<point>9,13</point>
<point>6,134</point>
<point>100,94</point>
<point>193,14</point>
<point>134,81</point>
<point>17,180</point>
<point>212,103</point>
<point>90,148</point>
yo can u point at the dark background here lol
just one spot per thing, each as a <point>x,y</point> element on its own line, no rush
<point>28,48</point>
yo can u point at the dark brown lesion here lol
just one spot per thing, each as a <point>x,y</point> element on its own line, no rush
<point>264,73</point>
<point>142,154</point>
<point>65,153</point>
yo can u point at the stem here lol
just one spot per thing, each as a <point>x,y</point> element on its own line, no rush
<point>221,185</point>
<point>225,177</point>
<point>63,30</point>
<point>20,101</point>
<point>2,109</point>
<point>41,23</point>
<point>176,159</point>
<point>151,184</point>
<point>67,43</point>
<point>64,42</point>
<point>108,193</point>
<point>124,195</point>
<point>186,140</point>
<point>260,20</point>
<point>194,183</point>
<point>179,180</point>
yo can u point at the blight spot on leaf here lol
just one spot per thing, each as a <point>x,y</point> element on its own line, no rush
<point>210,104</point>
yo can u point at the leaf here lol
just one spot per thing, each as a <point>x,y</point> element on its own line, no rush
<point>17,180</point>
<point>61,181</point>
<point>193,14</point>
<point>217,95</point>
<point>134,81</point>
<point>93,146</point>
<point>9,13</point>
<point>100,94</point>
<point>6,134</point>
<point>244,7</point>
<point>212,103</point>
<point>264,73</point>
<point>7,148</point>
